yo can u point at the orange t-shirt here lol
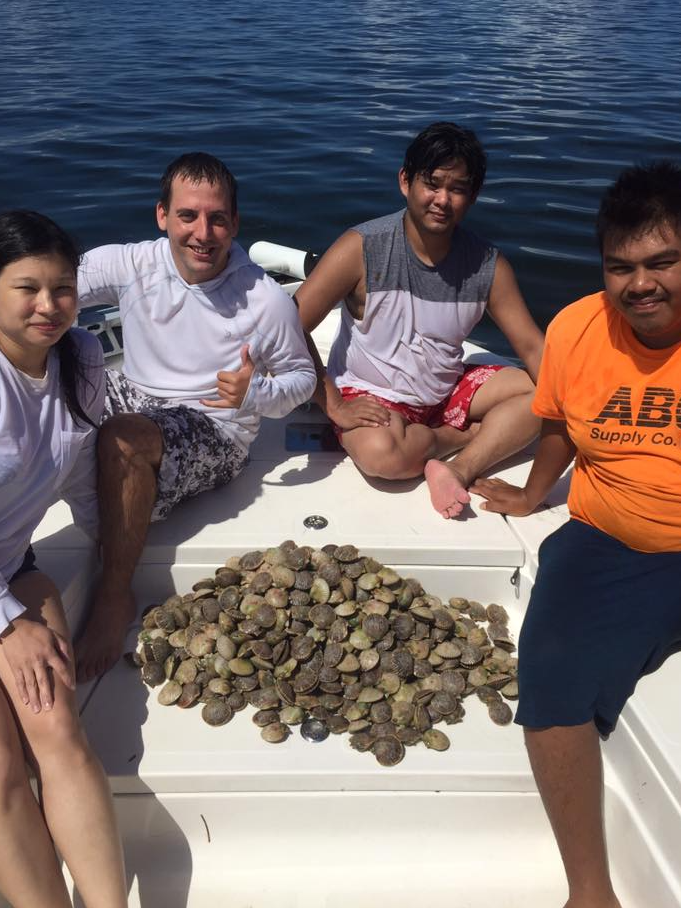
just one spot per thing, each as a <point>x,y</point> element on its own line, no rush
<point>622,405</point>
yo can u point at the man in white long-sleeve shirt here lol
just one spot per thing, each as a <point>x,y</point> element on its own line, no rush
<point>211,345</point>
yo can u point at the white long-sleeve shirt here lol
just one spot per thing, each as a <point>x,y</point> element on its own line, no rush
<point>178,336</point>
<point>44,455</point>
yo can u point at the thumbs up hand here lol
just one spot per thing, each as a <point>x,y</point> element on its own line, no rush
<point>232,386</point>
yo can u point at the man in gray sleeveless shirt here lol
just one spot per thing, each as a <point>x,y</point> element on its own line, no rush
<point>414,284</point>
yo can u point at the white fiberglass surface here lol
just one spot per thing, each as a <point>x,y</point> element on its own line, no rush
<point>271,499</point>
<point>653,715</point>
<point>330,850</point>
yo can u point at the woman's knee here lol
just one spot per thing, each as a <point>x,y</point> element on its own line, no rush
<point>56,735</point>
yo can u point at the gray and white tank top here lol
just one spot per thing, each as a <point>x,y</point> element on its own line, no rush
<point>408,346</point>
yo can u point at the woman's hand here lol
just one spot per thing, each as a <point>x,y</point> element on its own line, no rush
<point>503,498</point>
<point>33,652</point>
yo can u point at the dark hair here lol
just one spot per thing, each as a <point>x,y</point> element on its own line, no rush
<point>642,198</point>
<point>197,166</point>
<point>440,144</point>
<point>24,234</point>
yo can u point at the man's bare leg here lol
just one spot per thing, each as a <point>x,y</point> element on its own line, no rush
<point>129,450</point>
<point>507,425</point>
<point>567,766</point>
<point>401,450</point>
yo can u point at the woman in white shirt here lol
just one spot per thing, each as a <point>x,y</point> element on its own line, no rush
<point>51,399</point>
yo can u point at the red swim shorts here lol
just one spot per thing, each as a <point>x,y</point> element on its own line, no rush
<point>452,411</point>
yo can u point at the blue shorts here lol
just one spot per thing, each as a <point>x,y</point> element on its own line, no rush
<point>601,615</point>
<point>27,565</point>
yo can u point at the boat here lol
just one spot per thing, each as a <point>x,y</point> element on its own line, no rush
<point>216,816</point>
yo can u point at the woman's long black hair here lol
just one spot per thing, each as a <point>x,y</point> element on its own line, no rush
<point>27,233</point>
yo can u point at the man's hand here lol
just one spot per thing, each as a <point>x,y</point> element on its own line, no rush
<point>232,386</point>
<point>32,650</point>
<point>503,498</point>
<point>359,411</point>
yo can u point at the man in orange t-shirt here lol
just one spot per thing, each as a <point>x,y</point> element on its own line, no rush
<point>619,401</point>
<point>609,393</point>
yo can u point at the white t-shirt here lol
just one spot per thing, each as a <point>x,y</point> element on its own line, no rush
<point>44,455</point>
<point>178,336</point>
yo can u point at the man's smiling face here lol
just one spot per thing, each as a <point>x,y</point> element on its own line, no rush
<point>643,281</point>
<point>437,202</point>
<point>201,226</point>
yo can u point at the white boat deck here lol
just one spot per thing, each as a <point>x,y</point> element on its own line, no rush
<point>217,813</point>
<point>217,816</point>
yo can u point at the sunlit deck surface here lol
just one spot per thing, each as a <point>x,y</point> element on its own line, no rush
<point>198,805</point>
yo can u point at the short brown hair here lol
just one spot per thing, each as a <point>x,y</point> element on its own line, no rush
<point>197,166</point>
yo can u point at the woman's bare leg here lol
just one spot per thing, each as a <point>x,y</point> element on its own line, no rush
<point>75,794</point>
<point>30,876</point>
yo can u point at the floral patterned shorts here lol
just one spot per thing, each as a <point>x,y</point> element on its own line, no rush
<point>196,455</point>
<point>453,411</point>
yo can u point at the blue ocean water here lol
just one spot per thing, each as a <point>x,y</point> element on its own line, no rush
<point>312,104</point>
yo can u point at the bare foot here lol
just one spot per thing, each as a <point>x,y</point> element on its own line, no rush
<point>448,491</point>
<point>606,901</point>
<point>100,645</point>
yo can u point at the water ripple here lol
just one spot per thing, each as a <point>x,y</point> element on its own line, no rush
<point>312,105</point>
